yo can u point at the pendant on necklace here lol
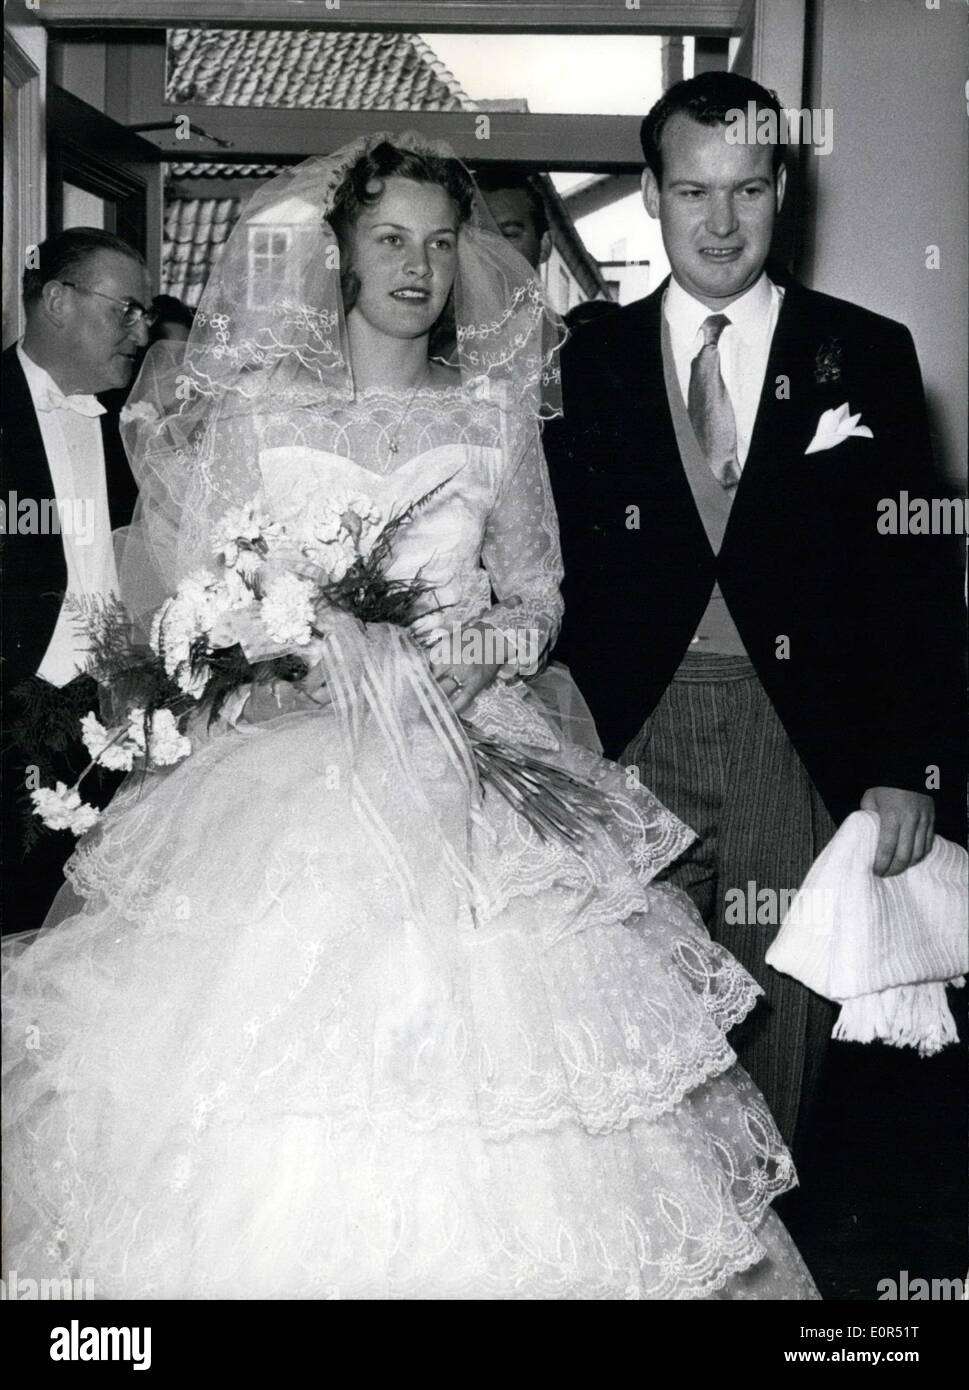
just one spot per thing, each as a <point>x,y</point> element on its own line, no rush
<point>393,446</point>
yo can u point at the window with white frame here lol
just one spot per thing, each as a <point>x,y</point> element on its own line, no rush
<point>268,247</point>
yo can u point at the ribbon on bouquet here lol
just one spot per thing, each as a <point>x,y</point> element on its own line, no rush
<point>383,689</point>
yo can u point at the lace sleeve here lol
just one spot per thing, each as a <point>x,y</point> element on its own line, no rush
<point>523,558</point>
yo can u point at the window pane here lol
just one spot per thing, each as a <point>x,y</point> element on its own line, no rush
<point>84,209</point>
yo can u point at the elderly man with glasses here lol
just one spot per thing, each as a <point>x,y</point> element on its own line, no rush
<point>66,487</point>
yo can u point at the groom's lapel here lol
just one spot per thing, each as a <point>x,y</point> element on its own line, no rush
<point>786,415</point>
<point>652,422</point>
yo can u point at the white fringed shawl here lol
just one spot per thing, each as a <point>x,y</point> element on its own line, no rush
<point>884,948</point>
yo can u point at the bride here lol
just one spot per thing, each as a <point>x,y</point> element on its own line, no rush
<point>320,1015</point>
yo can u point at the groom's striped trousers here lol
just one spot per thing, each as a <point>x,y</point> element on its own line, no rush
<point>715,752</point>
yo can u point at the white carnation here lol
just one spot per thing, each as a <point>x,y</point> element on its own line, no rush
<point>287,610</point>
<point>247,565</point>
<point>202,598</point>
<point>166,745</point>
<point>109,747</point>
<point>238,592</point>
<point>61,808</point>
<point>350,521</point>
<point>198,604</point>
<point>141,411</point>
<point>322,526</point>
<point>191,680</point>
<point>336,559</point>
<point>241,533</point>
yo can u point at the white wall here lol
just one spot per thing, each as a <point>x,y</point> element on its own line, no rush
<point>635,281</point>
<point>552,272</point>
<point>893,72</point>
<point>627,220</point>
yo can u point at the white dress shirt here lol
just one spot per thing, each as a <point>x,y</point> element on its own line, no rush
<point>75,455</point>
<point>744,346</point>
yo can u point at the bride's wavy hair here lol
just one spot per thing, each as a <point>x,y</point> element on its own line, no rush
<point>363,187</point>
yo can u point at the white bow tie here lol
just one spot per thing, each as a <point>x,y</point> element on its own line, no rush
<point>53,399</point>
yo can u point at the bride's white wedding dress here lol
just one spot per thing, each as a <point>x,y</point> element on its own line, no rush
<point>330,1024</point>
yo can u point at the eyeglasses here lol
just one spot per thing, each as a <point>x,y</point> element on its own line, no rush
<point>132,311</point>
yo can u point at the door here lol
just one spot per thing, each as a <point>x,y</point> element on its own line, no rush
<point>101,175</point>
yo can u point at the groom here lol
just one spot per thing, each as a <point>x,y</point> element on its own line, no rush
<point>750,643</point>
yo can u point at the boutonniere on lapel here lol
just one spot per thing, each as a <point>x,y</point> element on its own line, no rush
<point>834,427</point>
<point>827,362</point>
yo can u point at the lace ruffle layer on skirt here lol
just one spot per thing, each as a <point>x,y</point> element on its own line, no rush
<point>308,1038</point>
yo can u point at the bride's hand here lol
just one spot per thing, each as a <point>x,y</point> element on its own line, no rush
<point>461,681</point>
<point>314,689</point>
<point>269,699</point>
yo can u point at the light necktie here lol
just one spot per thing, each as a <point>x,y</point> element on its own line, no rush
<point>709,407</point>
<point>53,399</point>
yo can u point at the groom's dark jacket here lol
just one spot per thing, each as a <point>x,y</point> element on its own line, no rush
<point>856,636</point>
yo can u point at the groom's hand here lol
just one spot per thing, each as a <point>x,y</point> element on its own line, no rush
<point>905,828</point>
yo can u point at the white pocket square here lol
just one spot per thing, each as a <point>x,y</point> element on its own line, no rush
<point>834,427</point>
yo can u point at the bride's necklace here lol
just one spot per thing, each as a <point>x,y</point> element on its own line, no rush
<point>393,446</point>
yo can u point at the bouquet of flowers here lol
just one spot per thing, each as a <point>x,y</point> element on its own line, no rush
<point>256,618</point>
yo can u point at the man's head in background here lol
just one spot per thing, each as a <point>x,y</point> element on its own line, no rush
<point>716,197</point>
<point>85,300</point>
<point>174,321</point>
<point>515,201</point>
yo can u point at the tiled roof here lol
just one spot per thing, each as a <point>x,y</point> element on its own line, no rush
<point>209,170</point>
<point>303,67</point>
<point>283,68</point>
<point>195,232</point>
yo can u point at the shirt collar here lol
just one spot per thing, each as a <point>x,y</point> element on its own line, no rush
<point>750,314</point>
<point>47,395</point>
